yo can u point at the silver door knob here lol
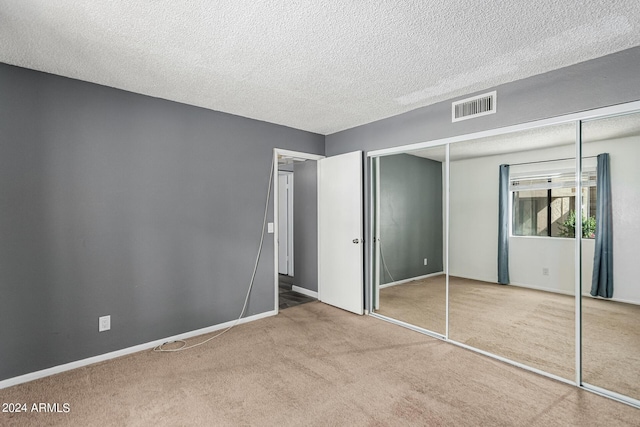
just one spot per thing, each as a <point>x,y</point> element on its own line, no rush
<point>356,241</point>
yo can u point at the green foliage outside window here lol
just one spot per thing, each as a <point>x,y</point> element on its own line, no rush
<point>567,228</point>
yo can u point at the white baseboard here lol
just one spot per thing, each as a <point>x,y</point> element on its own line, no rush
<point>303,291</point>
<point>559,291</point>
<point>626,301</point>
<point>411,279</point>
<point>125,351</point>
<point>540,288</point>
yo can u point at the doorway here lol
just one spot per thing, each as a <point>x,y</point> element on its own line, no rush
<point>295,228</point>
<point>329,261</point>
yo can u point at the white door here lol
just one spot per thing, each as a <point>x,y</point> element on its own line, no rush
<point>340,245</point>
<point>285,223</point>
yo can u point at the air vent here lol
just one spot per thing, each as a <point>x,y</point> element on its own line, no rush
<point>477,106</point>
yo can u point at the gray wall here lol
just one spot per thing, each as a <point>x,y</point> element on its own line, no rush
<point>609,80</point>
<point>410,216</point>
<point>305,225</point>
<point>117,203</point>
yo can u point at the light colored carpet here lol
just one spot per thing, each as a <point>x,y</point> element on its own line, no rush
<point>528,326</point>
<point>314,365</point>
<point>525,325</point>
<point>611,345</point>
<point>420,302</point>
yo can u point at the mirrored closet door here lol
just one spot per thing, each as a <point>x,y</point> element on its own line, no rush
<point>408,222</point>
<point>611,254</point>
<point>523,246</point>
<point>512,274</point>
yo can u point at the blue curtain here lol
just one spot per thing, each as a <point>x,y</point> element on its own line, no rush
<point>602,280</point>
<point>503,226</point>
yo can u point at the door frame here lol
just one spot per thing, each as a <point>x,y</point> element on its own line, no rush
<point>298,155</point>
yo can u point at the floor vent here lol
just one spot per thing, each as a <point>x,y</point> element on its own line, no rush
<point>477,106</point>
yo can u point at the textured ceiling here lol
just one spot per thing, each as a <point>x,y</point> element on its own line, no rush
<point>320,66</point>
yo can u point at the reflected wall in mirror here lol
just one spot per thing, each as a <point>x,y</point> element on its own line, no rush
<point>611,317</point>
<point>510,198</point>
<point>409,280</point>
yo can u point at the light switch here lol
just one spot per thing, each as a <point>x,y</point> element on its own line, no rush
<point>270,228</point>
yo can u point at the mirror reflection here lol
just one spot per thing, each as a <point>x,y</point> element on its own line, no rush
<point>610,286</point>
<point>409,279</point>
<point>512,263</point>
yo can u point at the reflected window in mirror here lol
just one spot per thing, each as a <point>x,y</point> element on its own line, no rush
<point>544,203</point>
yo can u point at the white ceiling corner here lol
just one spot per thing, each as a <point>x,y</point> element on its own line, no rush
<point>318,66</point>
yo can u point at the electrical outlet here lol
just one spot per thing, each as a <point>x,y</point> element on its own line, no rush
<point>545,271</point>
<point>104,323</point>
<point>425,261</point>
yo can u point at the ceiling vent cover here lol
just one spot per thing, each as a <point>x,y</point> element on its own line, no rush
<point>477,106</point>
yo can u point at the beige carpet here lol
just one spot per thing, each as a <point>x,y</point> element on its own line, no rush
<point>314,365</point>
<point>420,302</point>
<point>529,326</point>
<point>611,349</point>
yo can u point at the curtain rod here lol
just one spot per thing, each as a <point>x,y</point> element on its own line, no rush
<point>547,161</point>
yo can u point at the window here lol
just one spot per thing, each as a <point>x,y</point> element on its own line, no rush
<point>544,203</point>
